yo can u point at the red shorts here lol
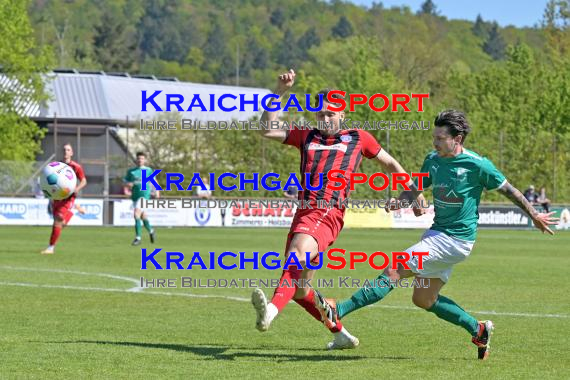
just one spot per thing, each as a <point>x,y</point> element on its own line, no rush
<point>62,209</point>
<point>323,224</point>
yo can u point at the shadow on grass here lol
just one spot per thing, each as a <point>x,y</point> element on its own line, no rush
<point>220,352</point>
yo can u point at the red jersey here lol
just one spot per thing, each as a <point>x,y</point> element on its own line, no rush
<point>79,173</point>
<point>321,154</point>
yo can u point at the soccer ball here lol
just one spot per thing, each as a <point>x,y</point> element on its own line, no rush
<point>58,181</point>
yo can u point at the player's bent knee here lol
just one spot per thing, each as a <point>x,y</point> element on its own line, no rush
<point>422,301</point>
<point>300,252</point>
<point>392,274</point>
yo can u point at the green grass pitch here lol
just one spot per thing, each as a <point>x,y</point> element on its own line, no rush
<point>72,315</point>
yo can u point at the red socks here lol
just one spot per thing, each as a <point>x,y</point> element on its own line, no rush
<point>286,290</point>
<point>55,232</point>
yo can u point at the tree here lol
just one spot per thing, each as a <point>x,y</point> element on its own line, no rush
<point>288,53</point>
<point>495,44</point>
<point>309,39</point>
<point>162,31</point>
<point>343,29</point>
<point>277,18</point>
<point>258,56</point>
<point>520,113</point>
<point>114,43</point>
<point>480,28</point>
<point>556,26</point>
<point>219,61</point>
<point>216,42</point>
<point>21,83</point>
<point>428,8</point>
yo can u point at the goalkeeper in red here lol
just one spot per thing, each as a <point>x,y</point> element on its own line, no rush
<point>314,229</point>
<point>457,176</point>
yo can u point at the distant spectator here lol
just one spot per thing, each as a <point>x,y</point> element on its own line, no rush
<point>530,194</point>
<point>542,200</point>
<point>291,193</point>
<point>204,194</point>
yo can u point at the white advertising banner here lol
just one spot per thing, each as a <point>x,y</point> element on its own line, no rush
<point>34,211</point>
<point>93,213</point>
<point>205,217</point>
<point>171,213</point>
<point>276,214</point>
<point>123,214</point>
<point>405,218</point>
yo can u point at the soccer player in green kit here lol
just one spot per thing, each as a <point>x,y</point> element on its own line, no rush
<point>458,177</point>
<point>133,184</point>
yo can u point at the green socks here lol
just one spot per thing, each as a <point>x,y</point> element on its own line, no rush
<point>443,307</point>
<point>138,228</point>
<point>147,225</point>
<point>451,312</point>
<point>365,296</point>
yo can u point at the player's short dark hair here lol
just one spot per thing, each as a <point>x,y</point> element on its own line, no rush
<point>325,93</point>
<point>141,154</point>
<point>455,122</point>
<point>68,143</point>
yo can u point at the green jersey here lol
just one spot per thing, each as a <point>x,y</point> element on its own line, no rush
<point>457,184</point>
<point>134,175</point>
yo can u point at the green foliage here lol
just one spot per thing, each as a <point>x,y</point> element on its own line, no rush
<point>131,35</point>
<point>495,44</point>
<point>114,41</point>
<point>343,28</point>
<point>521,118</point>
<point>480,28</point>
<point>277,17</point>
<point>428,8</point>
<point>287,53</point>
<point>309,39</point>
<point>21,83</point>
<point>556,24</point>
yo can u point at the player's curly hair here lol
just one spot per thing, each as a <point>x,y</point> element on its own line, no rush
<point>325,92</point>
<point>456,123</point>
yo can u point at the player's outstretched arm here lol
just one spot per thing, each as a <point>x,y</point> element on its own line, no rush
<point>391,165</point>
<point>128,183</point>
<point>540,220</point>
<point>284,83</point>
<point>81,185</point>
<point>127,187</point>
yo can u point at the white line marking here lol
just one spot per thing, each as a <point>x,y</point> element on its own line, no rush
<point>241,299</point>
<point>137,288</point>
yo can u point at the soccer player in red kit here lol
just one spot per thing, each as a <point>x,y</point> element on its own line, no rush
<point>314,230</point>
<point>62,210</point>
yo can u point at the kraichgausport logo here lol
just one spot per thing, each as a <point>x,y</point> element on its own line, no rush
<point>156,259</point>
<point>157,101</point>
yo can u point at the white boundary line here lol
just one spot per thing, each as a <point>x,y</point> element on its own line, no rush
<point>139,290</point>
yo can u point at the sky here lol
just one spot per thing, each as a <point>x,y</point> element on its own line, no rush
<point>519,13</point>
